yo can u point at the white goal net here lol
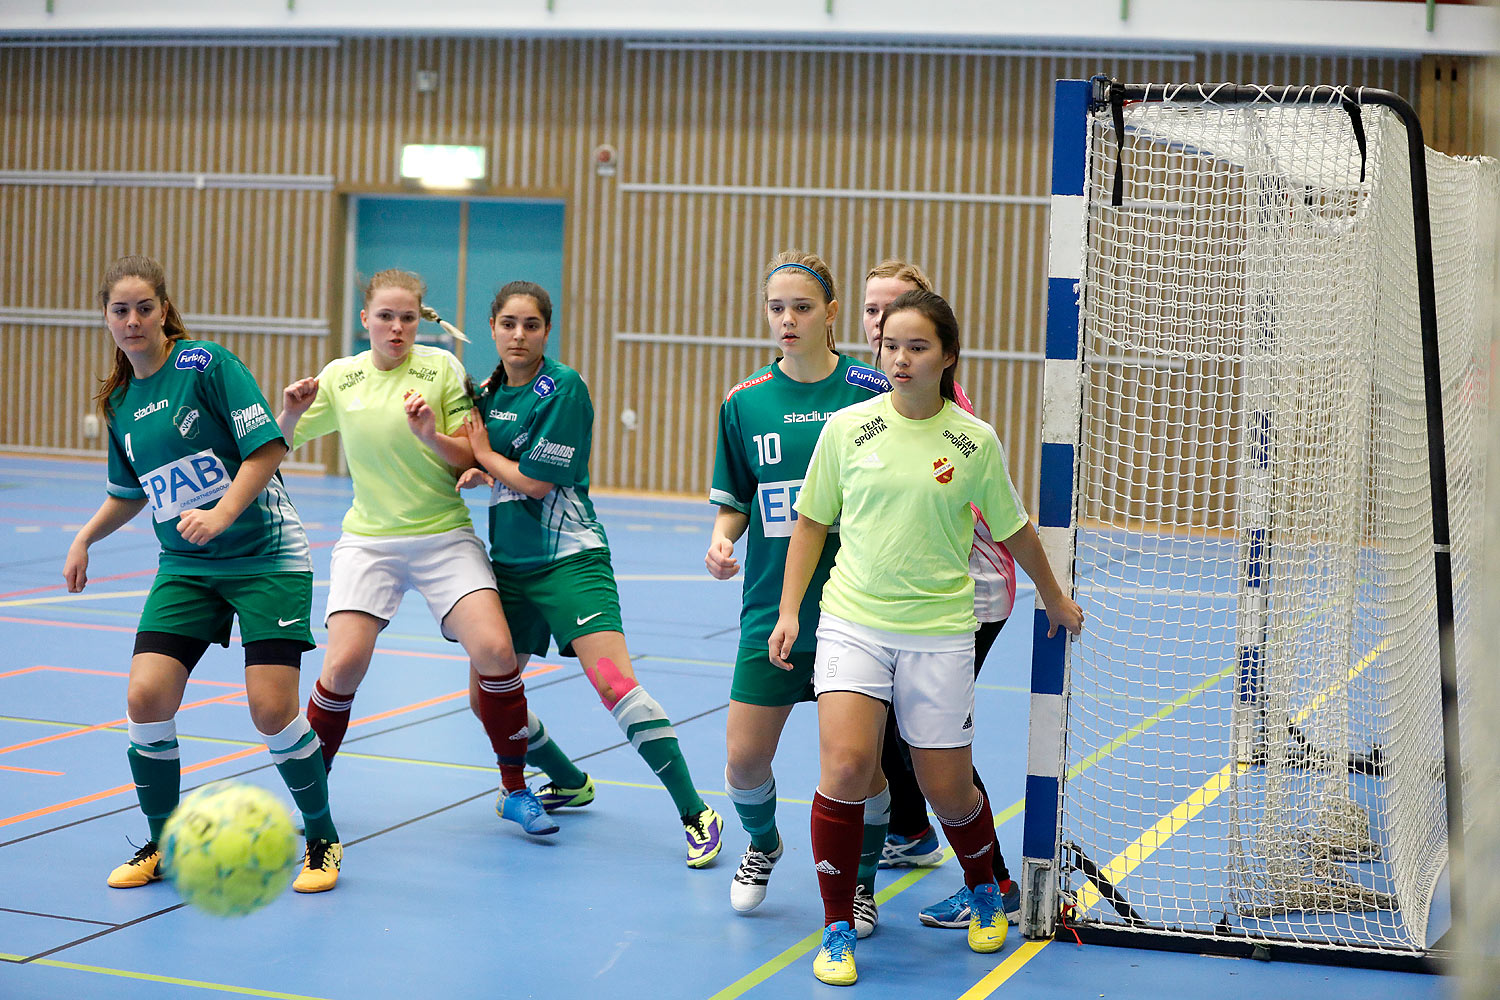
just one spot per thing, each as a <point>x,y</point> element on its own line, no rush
<point>1253,737</point>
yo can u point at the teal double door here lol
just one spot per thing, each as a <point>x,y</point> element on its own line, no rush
<point>465,249</point>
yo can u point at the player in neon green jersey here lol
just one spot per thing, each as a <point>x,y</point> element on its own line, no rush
<point>898,474</point>
<point>399,409</point>
<point>191,436</point>
<point>768,425</point>
<point>911,840</point>
<point>532,433</point>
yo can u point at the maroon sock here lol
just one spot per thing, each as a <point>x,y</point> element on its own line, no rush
<point>973,841</point>
<point>328,714</point>
<point>837,830</point>
<point>502,709</point>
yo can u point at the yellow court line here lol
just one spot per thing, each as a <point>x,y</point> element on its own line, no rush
<point>150,978</point>
<point>1005,970</point>
<point>1163,829</point>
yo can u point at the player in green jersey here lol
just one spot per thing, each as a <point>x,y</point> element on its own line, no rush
<point>768,425</point>
<point>399,409</point>
<point>191,435</point>
<point>532,433</point>
<point>899,475</point>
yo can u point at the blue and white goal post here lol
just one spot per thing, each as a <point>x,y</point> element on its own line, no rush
<point>1056,508</point>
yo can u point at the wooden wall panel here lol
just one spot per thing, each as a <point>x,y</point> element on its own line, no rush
<point>794,127</point>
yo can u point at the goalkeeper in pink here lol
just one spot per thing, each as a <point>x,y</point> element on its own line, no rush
<point>898,473</point>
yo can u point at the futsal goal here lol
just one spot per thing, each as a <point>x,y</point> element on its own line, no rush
<point>1267,376</point>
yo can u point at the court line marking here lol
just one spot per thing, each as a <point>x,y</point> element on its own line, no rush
<point>32,770</point>
<point>1128,860</point>
<point>151,978</point>
<point>225,758</point>
<point>60,586</point>
<point>71,598</point>
<point>996,977</point>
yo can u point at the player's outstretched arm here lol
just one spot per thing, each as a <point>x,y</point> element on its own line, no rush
<point>729,526</point>
<point>1062,610</point>
<point>112,515</point>
<point>806,546</point>
<point>201,525</point>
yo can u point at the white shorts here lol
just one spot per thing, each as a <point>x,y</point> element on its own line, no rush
<point>370,572</point>
<point>928,680</point>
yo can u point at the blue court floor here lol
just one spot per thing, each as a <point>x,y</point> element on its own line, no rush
<point>438,897</point>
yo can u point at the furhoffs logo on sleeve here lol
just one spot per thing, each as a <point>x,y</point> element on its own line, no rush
<point>867,378</point>
<point>195,357</point>
<point>544,386</point>
<point>942,471</point>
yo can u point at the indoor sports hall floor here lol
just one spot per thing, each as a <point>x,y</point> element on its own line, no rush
<point>438,897</point>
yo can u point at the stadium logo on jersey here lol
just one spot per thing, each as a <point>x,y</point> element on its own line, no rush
<point>807,418</point>
<point>187,422</point>
<point>544,386</point>
<point>351,380</point>
<point>185,484</point>
<point>552,453</point>
<point>868,430</point>
<point>747,384</point>
<point>942,471</point>
<point>196,358</point>
<point>867,378</point>
<point>146,411</point>
<point>249,418</point>
<point>962,442</point>
<point>501,415</point>
<point>425,374</point>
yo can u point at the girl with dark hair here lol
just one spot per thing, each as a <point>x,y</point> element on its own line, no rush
<point>191,435</point>
<point>899,473</point>
<point>910,841</point>
<point>531,435</point>
<point>399,409</point>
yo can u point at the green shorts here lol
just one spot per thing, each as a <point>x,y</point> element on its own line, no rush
<point>270,606</point>
<point>758,681</point>
<point>572,597</point>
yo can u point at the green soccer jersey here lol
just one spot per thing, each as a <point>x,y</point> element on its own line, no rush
<point>401,486</point>
<point>177,439</point>
<point>902,489</point>
<point>547,427</point>
<point>768,426</point>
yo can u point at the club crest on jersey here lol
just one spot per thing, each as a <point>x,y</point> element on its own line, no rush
<point>867,378</point>
<point>197,358</point>
<point>544,386</point>
<point>942,471</point>
<point>186,422</point>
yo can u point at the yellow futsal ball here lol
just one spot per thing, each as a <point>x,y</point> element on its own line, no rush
<point>230,848</point>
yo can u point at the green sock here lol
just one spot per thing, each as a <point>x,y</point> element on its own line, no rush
<point>649,730</point>
<point>877,822</point>
<point>299,759</point>
<point>156,769</point>
<point>757,810</point>
<point>548,757</point>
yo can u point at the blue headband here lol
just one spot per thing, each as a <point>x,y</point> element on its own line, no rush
<point>803,267</point>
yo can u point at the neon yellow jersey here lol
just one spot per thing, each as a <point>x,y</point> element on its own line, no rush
<point>902,488</point>
<point>401,486</point>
